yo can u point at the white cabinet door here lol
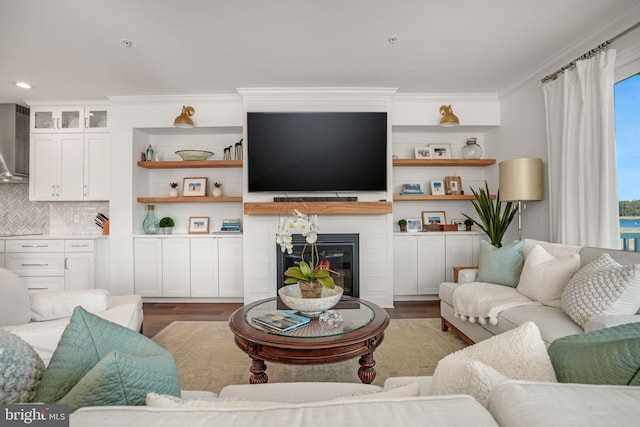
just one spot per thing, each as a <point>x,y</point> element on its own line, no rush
<point>71,168</point>
<point>43,167</point>
<point>148,267</point>
<point>461,252</point>
<point>79,271</point>
<point>405,265</point>
<point>431,262</point>
<point>230,267</point>
<point>96,166</point>
<point>204,267</point>
<point>57,119</point>
<point>96,118</point>
<point>176,276</point>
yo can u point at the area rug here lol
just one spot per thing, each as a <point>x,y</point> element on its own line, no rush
<point>208,359</point>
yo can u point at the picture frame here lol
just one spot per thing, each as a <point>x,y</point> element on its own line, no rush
<point>411,190</point>
<point>434,217</point>
<point>453,185</point>
<point>414,224</point>
<point>460,223</point>
<point>422,152</point>
<point>440,151</point>
<point>437,187</point>
<point>194,187</point>
<point>199,225</point>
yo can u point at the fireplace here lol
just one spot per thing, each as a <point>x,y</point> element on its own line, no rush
<point>339,251</point>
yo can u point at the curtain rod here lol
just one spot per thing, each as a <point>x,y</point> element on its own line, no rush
<point>589,54</point>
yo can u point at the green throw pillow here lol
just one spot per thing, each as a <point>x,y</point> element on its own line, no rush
<point>605,356</point>
<point>501,266</point>
<point>98,362</point>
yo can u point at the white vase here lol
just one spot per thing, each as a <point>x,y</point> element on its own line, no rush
<point>173,192</point>
<point>217,192</point>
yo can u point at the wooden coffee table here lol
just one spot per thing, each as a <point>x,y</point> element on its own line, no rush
<point>361,332</point>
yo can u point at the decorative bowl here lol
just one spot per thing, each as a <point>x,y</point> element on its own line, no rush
<point>311,307</point>
<point>194,154</point>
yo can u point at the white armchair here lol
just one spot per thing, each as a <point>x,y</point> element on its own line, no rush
<point>39,318</point>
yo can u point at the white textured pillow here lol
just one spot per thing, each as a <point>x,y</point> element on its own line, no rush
<point>56,305</point>
<point>544,276</point>
<point>602,287</point>
<point>516,354</point>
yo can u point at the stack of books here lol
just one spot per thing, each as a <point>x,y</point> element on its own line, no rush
<point>281,321</point>
<point>232,225</point>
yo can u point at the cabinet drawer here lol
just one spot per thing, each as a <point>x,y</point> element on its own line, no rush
<point>36,264</point>
<point>78,245</point>
<point>44,284</point>
<point>35,246</point>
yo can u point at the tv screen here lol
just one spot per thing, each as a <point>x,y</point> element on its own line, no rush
<point>302,151</point>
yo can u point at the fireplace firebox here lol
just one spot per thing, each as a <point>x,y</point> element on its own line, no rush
<point>339,252</point>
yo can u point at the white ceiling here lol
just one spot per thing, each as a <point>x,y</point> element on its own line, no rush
<point>73,50</point>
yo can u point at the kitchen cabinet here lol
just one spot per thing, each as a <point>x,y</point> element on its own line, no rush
<point>52,265</point>
<point>69,119</point>
<point>422,261</point>
<point>69,167</point>
<point>182,267</point>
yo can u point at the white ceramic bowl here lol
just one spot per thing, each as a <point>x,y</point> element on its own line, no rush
<point>292,298</point>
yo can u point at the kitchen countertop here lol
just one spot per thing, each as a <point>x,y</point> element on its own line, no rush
<point>54,236</point>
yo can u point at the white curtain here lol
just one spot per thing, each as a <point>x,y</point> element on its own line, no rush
<point>583,185</point>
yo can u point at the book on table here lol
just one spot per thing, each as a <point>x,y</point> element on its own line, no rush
<point>281,321</point>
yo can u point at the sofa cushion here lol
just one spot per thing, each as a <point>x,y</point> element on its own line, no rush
<point>20,369</point>
<point>501,266</point>
<point>558,250</point>
<point>101,363</point>
<point>544,276</point>
<point>15,307</point>
<point>602,287</point>
<point>302,392</point>
<point>605,356</point>
<point>518,354</point>
<point>56,305</point>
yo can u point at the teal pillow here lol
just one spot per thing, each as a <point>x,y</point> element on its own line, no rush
<point>605,356</point>
<point>501,266</point>
<point>98,362</point>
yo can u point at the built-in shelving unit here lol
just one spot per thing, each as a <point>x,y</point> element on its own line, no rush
<point>400,197</point>
<point>184,164</point>
<point>444,162</point>
<point>318,208</point>
<point>198,199</point>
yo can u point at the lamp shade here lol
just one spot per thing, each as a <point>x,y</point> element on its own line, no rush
<point>520,179</point>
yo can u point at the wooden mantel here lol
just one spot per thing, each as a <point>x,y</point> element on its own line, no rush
<point>318,208</point>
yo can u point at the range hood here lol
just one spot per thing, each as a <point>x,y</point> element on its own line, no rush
<point>14,144</point>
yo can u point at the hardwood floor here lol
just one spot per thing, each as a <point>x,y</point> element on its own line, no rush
<point>159,315</point>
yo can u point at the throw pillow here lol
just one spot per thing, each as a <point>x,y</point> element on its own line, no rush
<point>95,357</point>
<point>606,356</point>
<point>516,354</point>
<point>602,287</point>
<point>20,369</point>
<point>501,266</point>
<point>544,276</point>
<point>15,307</point>
<point>56,305</point>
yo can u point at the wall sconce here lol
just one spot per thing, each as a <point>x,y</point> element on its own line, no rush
<point>520,181</point>
<point>448,118</point>
<point>184,120</point>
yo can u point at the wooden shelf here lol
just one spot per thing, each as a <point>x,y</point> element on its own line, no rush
<point>400,197</point>
<point>444,162</point>
<point>183,164</point>
<point>195,199</point>
<point>319,208</point>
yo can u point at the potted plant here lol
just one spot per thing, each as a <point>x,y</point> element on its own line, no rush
<point>173,191</point>
<point>312,273</point>
<point>494,218</point>
<point>166,225</point>
<point>402,224</point>
<point>467,224</point>
<point>217,189</point>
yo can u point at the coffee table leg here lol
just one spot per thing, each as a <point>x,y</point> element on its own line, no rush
<point>258,374</point>
<point>367,373</point>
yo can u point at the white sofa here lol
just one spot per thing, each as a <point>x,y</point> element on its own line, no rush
<point>39,318</point>
<point>511,404</point>
<point>553,322</point>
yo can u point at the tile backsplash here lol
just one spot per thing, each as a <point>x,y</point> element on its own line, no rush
<point>19,215</point>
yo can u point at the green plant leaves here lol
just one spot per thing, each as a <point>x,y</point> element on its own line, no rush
<point>494,218</point>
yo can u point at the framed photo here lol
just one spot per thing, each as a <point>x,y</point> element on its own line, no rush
<point>194,187</point>
<point>440,151</point>
<point>423,153</point>
<point>199,225</point>
<point>453,184</point>
<point>414,224</point>
<point>460,223</point>
<point>437,187</point>
<point>431,217</point>
<point>411,189</point>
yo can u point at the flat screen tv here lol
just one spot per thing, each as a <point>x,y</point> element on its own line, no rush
<point>317,151</point>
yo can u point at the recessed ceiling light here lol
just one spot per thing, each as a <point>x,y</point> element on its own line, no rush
<point>23,85</point>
